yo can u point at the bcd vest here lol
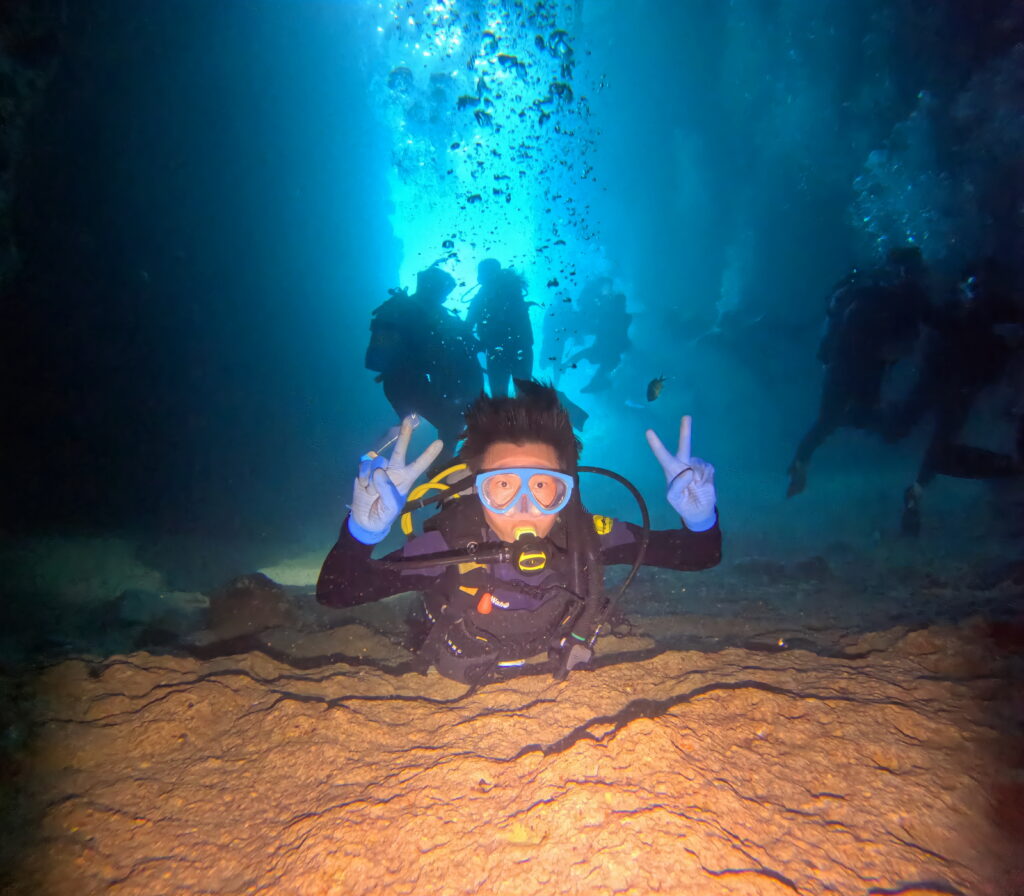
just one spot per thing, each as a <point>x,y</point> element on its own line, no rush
<point>481,616</point>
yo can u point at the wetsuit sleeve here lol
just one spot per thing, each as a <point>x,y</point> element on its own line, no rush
<point>350,576</point>
<point>668,548</point>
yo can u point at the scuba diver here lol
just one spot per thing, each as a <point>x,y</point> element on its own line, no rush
<point>501,318</point>
<point>512,565</point>
<point>610,325</point>
<point>970,346</point>
<point>873,320</point>
<point>425,354</point>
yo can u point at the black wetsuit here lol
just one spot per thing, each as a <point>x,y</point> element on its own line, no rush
<point>501,318</point>
<point>870,325</point>
<point>611,341</point>
<point>476,617</point>
<point>965,354</point>
<point>426,356</point>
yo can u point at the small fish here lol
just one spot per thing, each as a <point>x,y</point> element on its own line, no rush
<point>654,387</point>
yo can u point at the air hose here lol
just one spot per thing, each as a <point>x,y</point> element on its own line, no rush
<point>641,550</point>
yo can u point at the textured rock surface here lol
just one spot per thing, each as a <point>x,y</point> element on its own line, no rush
<point>734,772</point>
<point>248,604</point>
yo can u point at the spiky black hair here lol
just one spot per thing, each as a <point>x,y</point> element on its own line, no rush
<point>534,415</point>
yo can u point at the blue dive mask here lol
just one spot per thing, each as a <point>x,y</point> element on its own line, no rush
<point>516,488</point>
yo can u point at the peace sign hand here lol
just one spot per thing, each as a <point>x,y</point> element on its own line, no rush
<point>378,494</point>
<point>691,481</point>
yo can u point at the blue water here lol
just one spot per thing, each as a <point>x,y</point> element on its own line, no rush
<point>212,197</point>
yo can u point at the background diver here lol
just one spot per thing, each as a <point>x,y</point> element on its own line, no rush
<point>604,313</point>
<point>873,320</point>
<point>971,343</point>
<point>501,319</point>
<point>513,567</point>
<point>426,354</point>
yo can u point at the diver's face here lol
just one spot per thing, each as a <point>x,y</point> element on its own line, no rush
<point>502,455</point>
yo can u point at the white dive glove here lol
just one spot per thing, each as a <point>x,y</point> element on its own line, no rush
<point>378,495</point>
<point>691,481</point>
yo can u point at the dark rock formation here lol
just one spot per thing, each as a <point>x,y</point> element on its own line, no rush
<point>249,604</point>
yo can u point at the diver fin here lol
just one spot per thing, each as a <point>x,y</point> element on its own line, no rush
<point>577,415</point>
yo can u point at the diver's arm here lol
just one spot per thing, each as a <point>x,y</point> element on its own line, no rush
<point>667,548</point>
<point>350,576</point>
<point>476,310</point>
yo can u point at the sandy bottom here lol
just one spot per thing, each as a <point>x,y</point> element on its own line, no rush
<point>842,721</point>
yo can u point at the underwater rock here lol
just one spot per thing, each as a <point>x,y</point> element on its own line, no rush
<point>298,571</point>
<point>730,773</point>
<point>1008,634</point>
<point>171,611</point>
<point>1004,575</point>
<point>79,570</point>
<point>360,643</point>
<point>813,569</point>
<point>762,569</point>
<point>247,605</point>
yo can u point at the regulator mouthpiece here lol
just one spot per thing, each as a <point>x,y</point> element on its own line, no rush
<point>529,551</point>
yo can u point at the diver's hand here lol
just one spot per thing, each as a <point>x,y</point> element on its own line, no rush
<point>378,494</point>
<point>691,481</point>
